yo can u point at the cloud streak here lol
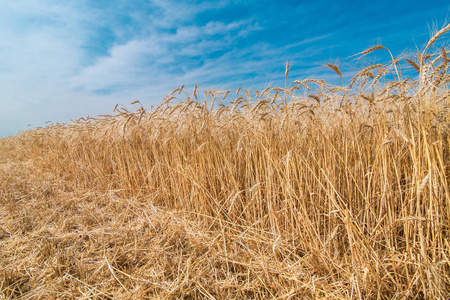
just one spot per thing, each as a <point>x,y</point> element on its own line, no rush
<point>61,61</point>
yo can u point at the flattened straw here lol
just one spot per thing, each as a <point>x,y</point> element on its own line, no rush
<point>114,275</point>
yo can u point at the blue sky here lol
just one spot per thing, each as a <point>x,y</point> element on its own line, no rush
<point>61,60</point>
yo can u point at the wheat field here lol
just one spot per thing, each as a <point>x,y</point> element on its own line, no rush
<point>307,191</point>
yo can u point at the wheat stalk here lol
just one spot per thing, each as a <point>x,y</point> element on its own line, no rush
<point>371,49</point>
<point>414,65</point>
<point>303,198</point>
<point>436,36</point>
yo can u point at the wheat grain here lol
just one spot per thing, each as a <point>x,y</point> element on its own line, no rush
<point>321,83</point>
<point>437,35</point>
<point>268,196</point>
<point>302,84</point>
<point>287,70</point>
<point>414,65</point>
<point>335,68</point>
<point>371,49</point>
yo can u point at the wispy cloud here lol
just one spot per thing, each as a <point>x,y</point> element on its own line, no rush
<point>64,60</point>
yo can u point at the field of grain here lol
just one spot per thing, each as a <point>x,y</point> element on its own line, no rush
<point>308,191</point>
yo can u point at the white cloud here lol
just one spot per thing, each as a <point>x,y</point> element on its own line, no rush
<point>151,60</point>
<point>174,13</point>
<point>40,49</point>
<point>122,67</point>
<point>47,71</point>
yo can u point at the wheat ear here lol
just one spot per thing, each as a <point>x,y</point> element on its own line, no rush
<point>437,35</point>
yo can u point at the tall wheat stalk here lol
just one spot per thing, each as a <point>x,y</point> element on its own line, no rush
<point>326,203</point>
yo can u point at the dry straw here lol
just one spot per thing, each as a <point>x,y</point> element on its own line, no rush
<point>282,197</point>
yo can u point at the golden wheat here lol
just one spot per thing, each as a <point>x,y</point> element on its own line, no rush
<point>282,197</point>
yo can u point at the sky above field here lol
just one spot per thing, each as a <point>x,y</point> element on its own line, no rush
<point>62,60</point>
